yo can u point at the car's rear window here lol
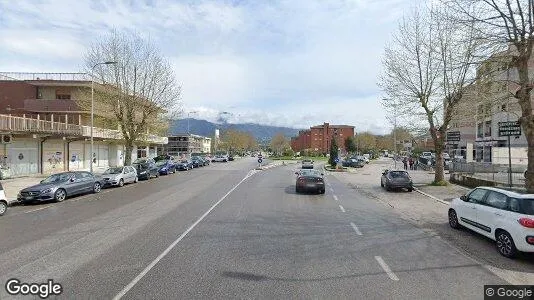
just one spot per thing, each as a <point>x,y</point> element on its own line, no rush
<point>398,174</point>
<point>527,206</point>
<point>306,161</point>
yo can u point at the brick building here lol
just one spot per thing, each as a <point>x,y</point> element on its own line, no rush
<point>318,138</point>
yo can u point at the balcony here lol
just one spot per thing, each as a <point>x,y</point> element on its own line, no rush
<point>24,125</point>
<point>51,106</point>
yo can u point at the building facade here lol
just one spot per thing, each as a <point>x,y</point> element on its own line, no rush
<point>183,145</point>
<point>474,129</point>
<point>319,138</point>
<point>43,129</point>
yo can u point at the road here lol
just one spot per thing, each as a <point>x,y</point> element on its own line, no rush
<point>228,231</point>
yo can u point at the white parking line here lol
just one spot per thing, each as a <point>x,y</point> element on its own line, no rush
<point>181,237</point>
<point>335,198</point>
<point>358,232</point>
<point>342,208</point>
<point>40,208</point>
<point>386,268</point>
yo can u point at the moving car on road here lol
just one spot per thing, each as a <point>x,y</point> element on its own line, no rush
<point>307,164</point>
<point>60,186</point>
<point>503,216</point>
<point>353,162</point>
<point>310,180</point>
<point>118,176</point>
<point>393,179</point>
<point>3,201</point>
<point>146,168</point>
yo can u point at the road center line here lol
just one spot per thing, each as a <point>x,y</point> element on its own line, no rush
<point>166,251</point>
<point>335,198</point>
<point>358,232</point>
<point>40,208</point>
<point>386,268</point>
<point>342,208</point>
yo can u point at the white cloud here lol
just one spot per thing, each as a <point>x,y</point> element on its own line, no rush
<point>293,63</point>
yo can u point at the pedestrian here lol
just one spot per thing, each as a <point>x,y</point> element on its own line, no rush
<point>411,163</point>
<point>405,162</point>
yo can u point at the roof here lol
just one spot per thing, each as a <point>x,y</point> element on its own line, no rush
<point>507,192</point>
<point>333,126</point>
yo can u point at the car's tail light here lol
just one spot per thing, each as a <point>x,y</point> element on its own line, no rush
<point>526,222</point>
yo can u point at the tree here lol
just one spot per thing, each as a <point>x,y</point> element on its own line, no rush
<point>365,141</point>
<point>137,90</point>
<point>234,140</point>
<point>279,143</point>
<point>334,152</point>
<point>350,144</point>
<point>426,70</point>
<point>507,26</point>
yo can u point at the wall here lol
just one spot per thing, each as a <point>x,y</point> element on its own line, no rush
<point>22,156</point>
<point>77,158</point>
<point>499,155</point>
<point>53,156</point>
<point>13,94</point>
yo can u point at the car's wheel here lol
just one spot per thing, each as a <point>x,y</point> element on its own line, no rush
<point>410,189</point>
<point>505,244</point>
<point>121,182</point>
<point>453,219</point>
<point>381,184</point>
<point>297,190</point>
<point>97,187</point>
<point>60,195</point>
<point>388,188</point>
<point>322,191</point>
<point>3,207</point>
<point>136,179</point>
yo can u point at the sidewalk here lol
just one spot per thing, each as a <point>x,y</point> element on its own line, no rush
<point>421,179</point>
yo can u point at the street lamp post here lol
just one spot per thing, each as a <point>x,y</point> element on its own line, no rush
<point>93,108</point>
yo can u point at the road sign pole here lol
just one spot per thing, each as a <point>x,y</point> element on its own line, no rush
<point>509,163</point>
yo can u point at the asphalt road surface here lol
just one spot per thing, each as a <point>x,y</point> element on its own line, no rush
<point>229,231</point>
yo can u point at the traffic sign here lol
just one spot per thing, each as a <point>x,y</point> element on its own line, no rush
<point>260,160</point>
<point>512,128</point>
<point>453,136</point>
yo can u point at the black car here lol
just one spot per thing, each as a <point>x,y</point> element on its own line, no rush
<point>146,168</point>
<point>184,165</point>
<point>230,158</point>
<point>393,179</point>
<point>59,186</point>
<point>353,162</point>
<point>310,180</point>
<point>197,162</point>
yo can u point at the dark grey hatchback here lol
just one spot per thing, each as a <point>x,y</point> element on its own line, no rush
<point>59,186</point>
<point>393,179</point>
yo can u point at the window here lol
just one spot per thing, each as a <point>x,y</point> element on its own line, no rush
<point>477,195</point>
<point>63,96</point>
<point>496,200</point>
<point>522,206</point>
<point>479,130</point>
<point>487,130</point>
<point>503,107</point>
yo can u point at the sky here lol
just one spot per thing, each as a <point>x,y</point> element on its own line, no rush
<point>294,63</point>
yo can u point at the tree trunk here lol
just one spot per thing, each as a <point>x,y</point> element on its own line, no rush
<point>529,134</point>
<point>439,174</point>
<point>128,149</point>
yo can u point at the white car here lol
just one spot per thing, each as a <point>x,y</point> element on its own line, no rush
<point>220,158</point>
<point>503,216</point>
<point>3,201</point>
<point>118,176</point>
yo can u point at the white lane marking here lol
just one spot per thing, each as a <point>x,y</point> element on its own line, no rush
<point>40,208</point>
<point>342,208</point>
<point>358,232</point>
<point>386,268</point>
<point>335,198</point>
<point>171,246</point>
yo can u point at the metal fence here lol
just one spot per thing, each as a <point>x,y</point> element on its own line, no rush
<point>498,173</point>
<point>44,76</point>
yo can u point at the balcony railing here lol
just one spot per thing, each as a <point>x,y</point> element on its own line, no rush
<point>27,125</point>
<point>44,76</point>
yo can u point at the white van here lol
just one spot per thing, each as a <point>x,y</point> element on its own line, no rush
<point>3,201</point>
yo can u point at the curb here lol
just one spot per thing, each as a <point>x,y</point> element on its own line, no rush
<point>432,197</point>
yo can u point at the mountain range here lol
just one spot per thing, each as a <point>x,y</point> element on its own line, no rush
<point>206,128</point>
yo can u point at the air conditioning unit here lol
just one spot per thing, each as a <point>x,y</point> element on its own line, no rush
<point>7,139</point>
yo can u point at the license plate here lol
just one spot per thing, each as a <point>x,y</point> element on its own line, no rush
<point>28,198</point>
<point>310,185</point>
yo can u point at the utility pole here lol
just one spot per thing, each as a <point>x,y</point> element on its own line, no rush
<point>395,140</point>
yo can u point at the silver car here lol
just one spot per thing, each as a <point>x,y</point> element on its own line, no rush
<point>118,176</point>
<point>60,186</point>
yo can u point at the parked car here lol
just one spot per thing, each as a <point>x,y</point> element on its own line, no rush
<point>197,162</point>
<point>503,216</point>
<point>220,158</point>
<point>307,164</point>
<point>353,162</point>
<point>146,168</point>
<point>310,180</point>
<point>393,179</point>
<point>3,201</point>
<point>60,186</point>
<point>118,176</point>
<point>230,158</point>
<point>166,167</point>
<point>184,165</point>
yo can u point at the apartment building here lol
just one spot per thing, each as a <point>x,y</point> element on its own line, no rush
<point>43,129</point>
<point>183,145</point>
<point>319,138</point>
<point>474,128</point>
